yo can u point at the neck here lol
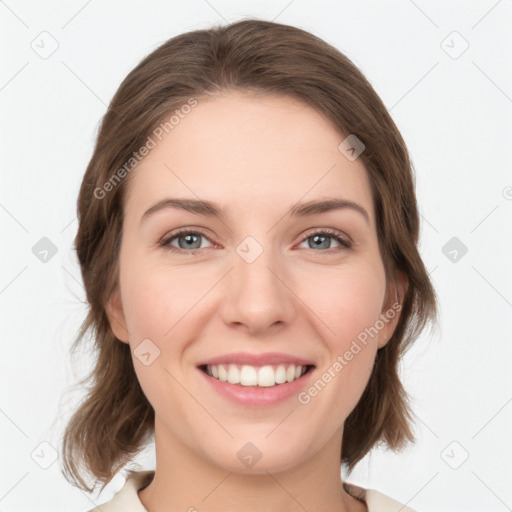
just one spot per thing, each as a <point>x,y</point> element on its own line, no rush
<point>186,481</point>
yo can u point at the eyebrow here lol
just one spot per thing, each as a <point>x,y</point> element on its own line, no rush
<point>209,209</point>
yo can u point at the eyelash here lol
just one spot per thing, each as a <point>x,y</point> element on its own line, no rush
<point>165,242</point>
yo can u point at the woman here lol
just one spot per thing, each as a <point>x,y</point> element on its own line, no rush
<point>248,237</point>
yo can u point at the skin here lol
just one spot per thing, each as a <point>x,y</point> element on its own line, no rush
<point>255,156</point>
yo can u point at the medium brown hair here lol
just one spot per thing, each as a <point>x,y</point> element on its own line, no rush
<point>115,420</point>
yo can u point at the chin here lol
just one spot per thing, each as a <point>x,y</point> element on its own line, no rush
<point>257,457</point>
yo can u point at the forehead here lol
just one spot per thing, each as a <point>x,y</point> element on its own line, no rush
<point>250,150</point>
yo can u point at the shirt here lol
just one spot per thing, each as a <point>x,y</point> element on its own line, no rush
<point>127,499</point>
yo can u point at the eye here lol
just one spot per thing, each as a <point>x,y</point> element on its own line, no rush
<point>190,241</point>
<point>321,239</point>
<point>187,239</point>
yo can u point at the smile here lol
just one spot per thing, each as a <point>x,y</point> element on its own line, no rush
<point>262,376</point>
<point>257,386</point>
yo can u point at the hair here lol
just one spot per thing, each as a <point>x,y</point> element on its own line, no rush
<point>115,420</point>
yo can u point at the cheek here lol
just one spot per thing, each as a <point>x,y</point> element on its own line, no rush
<point>156,307</point>
<point>348,300</point>
<point>349,309</point>
<point>156,300</point>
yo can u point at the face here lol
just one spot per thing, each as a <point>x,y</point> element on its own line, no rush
<point>258,279</point>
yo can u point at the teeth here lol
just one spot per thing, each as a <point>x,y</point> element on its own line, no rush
<point>223,374</point>
<point>264,376</point>
<point>233,374</point>
<point>280,374</point>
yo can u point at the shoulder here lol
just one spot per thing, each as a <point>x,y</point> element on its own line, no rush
<point>127,499</point>
<point>375,500</point>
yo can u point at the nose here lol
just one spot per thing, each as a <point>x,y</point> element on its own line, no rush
<point>258,294</point>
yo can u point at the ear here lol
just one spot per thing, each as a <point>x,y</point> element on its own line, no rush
<point>115,313</point>
<point>392,307</point>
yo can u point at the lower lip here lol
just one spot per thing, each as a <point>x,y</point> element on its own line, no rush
<point>256,396</point>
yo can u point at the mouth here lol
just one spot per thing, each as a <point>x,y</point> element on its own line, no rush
<point>266,376</point>
<point>256,380</point>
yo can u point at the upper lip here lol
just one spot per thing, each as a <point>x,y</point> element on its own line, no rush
<point>268,358</point>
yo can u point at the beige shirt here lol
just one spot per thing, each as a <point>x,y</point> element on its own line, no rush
<point>127,499</point>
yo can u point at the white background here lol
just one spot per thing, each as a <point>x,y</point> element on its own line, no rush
<point>455,116</point>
